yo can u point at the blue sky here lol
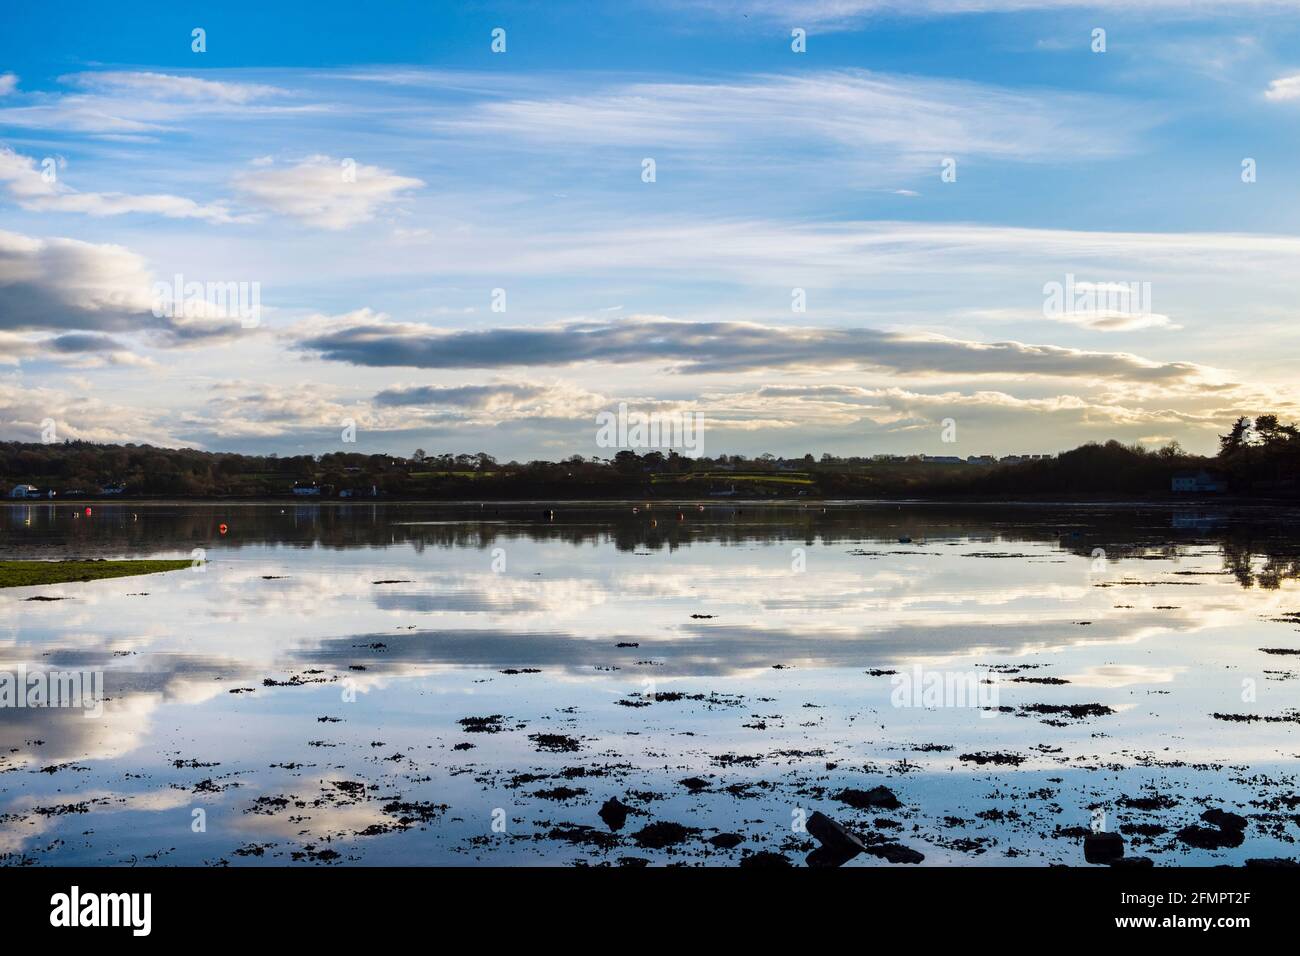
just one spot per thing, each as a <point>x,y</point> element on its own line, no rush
<point>378,172</point>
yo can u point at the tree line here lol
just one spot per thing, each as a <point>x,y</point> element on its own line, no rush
<point>1259,456</point>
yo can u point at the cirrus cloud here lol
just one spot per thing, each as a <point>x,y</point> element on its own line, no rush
<point>170,86</point>
<point>26,185</point>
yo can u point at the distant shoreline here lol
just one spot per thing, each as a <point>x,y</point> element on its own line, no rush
<point>1089,500</point>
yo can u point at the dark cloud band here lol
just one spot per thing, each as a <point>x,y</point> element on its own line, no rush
<point>703,347</point>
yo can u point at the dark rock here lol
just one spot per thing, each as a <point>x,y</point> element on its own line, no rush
<point>727,841</point>
<point>766,859</point>
<point>896,853</point>
<point>559,793</point>
<point>1224,820</point>
<point>983,757</point>
<point>1228,829</point>
<point>838,845</point>
<point>1149,803</point>
<point>876,798</point>
<point>656,836</point>
<point>1276,862</point>
<point>584,835</point>
<point>1103,847</point>
<point>553,743</point>
<point>614,812</point>
<point>1210,838</point>
<point>1133,863</point>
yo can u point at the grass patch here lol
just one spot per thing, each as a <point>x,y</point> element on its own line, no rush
<point>787,478</point>
<point>26,574</point>
<point>453,474</point>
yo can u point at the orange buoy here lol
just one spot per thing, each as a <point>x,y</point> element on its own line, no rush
<point>222,528</point>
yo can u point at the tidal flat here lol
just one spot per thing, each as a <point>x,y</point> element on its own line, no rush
<point>699,683</point>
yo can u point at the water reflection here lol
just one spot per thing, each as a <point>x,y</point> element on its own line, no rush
<point>135,529</point>
<point>318,671</point>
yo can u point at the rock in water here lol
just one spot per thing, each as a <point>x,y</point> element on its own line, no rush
<point>1210,838</point>
<point>1224,820</point>
<point>1103,847</point>
<point>657,836</point>
<point>1228,829</point>
<point>614,812</point>
<point>838,845</point>
<point>896,853</point>
<point>876,798</point>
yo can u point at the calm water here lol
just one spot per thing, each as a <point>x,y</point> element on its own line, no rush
<point>308,689</point>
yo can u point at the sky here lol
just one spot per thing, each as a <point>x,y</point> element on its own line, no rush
<point>954,227</point>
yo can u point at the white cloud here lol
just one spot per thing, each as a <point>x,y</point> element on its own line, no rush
<point>27,186</point>
<point>8,83</point>
<point>72,350</point>
<point>1284,88</point>
<point>139,106</point>
<point>1104,321</point>
<point>497,401</point>
<point>844,254</point>
<point>68,284</point>
<point>242,409</point>
<point>326,192</point>
<point>169,86</point>
<point>64,284</point>
<point>892,404</point>
<point>838,14</point>
<point>867,119</point>
<point>79,417</point>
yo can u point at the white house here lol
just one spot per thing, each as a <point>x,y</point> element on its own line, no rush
<point>25,491</point>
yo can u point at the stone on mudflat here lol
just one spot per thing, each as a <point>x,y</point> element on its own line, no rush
<point>1103,847</point>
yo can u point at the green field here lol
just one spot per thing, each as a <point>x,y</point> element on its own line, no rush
<point>453,474</point>
<point>26,574</point>
<point>787,478</point>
